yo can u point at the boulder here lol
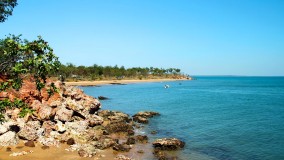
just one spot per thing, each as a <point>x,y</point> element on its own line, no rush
<point>9,139</point>
<point>29,131</point>
<point>95,120</point>
<point>168,144</point>
<point>104,142</point>
<point>77,127</point>
<point>114,116</point>
<point>44,112</point>
<point>3,129</point>
<point>130,140</point>
<point>146,114</point>
<point>30,144</point>
<point>48,126</point>
<point>70,141</point>
<point>140,119</point>
<point>64,114</point>
<point>118,127</point>
<point>141,138</point>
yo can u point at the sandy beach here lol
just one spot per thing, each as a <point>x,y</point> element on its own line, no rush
<point>108,82</point>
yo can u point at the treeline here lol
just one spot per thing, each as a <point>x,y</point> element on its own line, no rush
<point>97,72</point>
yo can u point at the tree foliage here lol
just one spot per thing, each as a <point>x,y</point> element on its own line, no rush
<point>97,72</point>
<point>6,8</point>
<point>19,58</point>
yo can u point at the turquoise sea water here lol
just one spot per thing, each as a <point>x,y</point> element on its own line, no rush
<point>226,118</point>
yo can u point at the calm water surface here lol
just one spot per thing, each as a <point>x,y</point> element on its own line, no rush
<point>226,118</point>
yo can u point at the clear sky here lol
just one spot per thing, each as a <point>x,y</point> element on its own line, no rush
<point>201,37</point>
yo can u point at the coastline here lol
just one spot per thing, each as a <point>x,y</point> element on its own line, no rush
<point>109,82</point>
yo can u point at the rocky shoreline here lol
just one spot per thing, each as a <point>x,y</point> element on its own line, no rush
<point>70,117</point>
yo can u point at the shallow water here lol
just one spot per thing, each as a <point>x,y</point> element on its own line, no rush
<point>218,117</point>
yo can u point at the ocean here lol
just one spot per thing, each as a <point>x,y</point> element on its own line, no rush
<point>224,118</point>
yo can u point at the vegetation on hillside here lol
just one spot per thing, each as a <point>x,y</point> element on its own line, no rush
<point>20,59</point>
<point>97,72</point>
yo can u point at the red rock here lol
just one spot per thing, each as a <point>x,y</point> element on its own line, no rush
<point>44,112</point>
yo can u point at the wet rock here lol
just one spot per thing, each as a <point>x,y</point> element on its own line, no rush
<point>146,114</point>
<point>30,144</point>
<point>140,119</point>
<point>141,138</point>
<point>160,154</point>
<point>121,147</point>
<point>70,141</point>
<point>102,98</point>
<point>114,116</point>
<point>9,139</point>
<point>131,132</point>
<point>168,144</point>
<point>64,114</point>
<point>118,127</point>
<point>130,140</point>
<point>153,132</point>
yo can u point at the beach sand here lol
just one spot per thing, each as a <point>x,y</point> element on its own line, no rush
<point>95,83</point>
<point>59,153</point>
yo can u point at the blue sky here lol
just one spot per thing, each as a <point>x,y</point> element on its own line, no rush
<point>201,37</point>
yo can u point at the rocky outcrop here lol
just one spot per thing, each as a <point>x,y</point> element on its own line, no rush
<point>72,117</point>
<point>142,117</point>
<point>168,144</point>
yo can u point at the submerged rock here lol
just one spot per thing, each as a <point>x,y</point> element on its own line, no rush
<point>102,98</point>
<point>121,147</point>
<point>168,144</point>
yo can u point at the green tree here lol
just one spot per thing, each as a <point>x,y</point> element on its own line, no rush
<point>6,9</point>
<point>19,58</point>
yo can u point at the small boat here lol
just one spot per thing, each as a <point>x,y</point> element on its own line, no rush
<point>167,86</point>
